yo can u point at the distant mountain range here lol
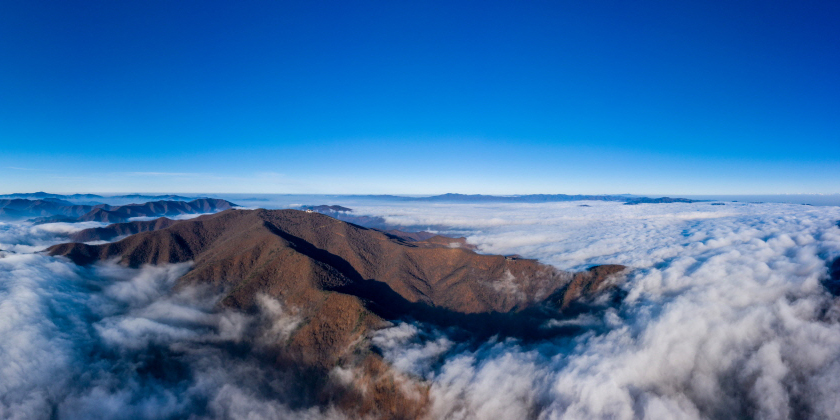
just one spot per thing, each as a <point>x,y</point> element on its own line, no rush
<point>528,198</point>
<point>45,207</point>
<point>646,200</point>
<point>43,195</point>
<point>377,222</point>
<point>326,209</point>
<point>443,198</point>
<point>20,208</point>
<point>50,210</point>
<point>346,214</point>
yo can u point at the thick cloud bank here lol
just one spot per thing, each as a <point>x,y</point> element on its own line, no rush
<point>113,343</point>
<point>725,316</point>
<point>28,238</point>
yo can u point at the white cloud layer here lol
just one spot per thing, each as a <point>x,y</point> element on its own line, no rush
<point>187,216</point>
<point>112,343</point>
<point>568,235</point>
<point>725,317</point>
<point>27,237</point>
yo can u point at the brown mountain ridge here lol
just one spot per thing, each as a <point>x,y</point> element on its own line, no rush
<point>345,280</point>
<point>228,246</point>
<point>117,214</point>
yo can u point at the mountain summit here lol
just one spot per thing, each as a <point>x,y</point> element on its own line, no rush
<point>345,280</point>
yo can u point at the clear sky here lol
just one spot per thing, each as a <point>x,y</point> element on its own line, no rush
<point>417,97</point>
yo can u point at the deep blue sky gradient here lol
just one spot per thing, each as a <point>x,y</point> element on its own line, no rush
<point>647,97</point>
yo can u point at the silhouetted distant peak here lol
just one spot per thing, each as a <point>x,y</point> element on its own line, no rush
<point>327,208</point>
<point>660,200</point>
<point>51,210</point>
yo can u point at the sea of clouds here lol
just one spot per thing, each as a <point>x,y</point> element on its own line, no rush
<point>109,342</point>
<point>725,316</point>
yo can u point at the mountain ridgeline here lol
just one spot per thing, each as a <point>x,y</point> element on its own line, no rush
<point>527,198</point>
<point>232,248</point>
<point>345,281</point>
<point>72,197</point>
<point>50,210</point>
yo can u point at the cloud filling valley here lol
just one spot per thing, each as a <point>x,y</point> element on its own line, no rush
<point>725,316</point>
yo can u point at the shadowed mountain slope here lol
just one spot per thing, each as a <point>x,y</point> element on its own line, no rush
<point>155,209</point>
<point>660,200</point>
<point>411,236</point>
<point>88,197</point>
<point>116,230</point>
<point>19,208</point>
<point>40,195</point>
<point>117,214</point>
<point>325,209</point>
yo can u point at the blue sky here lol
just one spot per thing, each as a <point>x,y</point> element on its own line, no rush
<point>647,97</point>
